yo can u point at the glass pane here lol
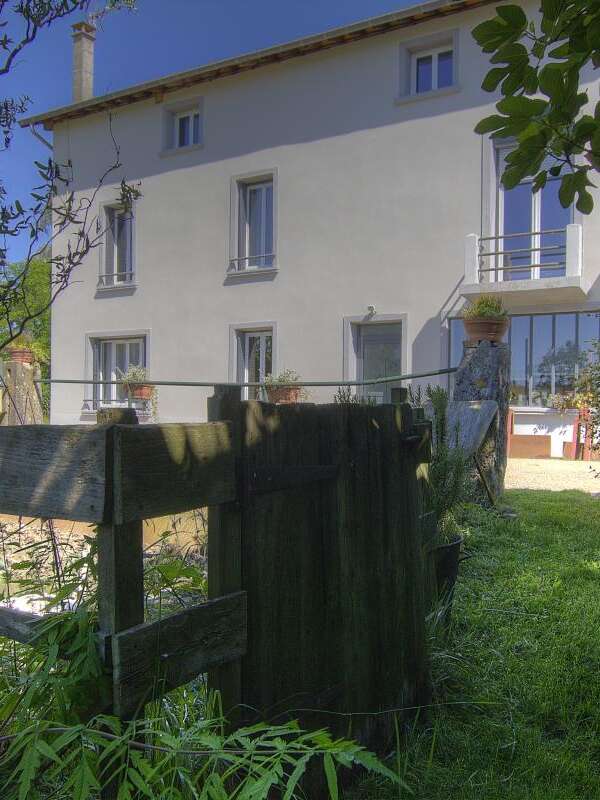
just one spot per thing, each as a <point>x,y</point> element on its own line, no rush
<point>123,237</point>
<point>517,219</point>
<point>269,258</point>
<point>183,131</point>
<point>105,372</point>
<point>457,337</point>
<point>255,225</point>
<point>268,339</point>
<point>542,360</point>
<point>120,368</point>
<point>565,353</point>
<point>109,254</point>
<point>554,216</point>
<point>424,73</point>
<point>589,331</point>
<point>444,69</point>
<point>253,364</point>
<point>381,357</point>
<point>196,129</point>
<point>135,354</point>
<point>519,360</point>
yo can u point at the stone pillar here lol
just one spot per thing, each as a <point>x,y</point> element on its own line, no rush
<point>484,374</point>
<point>21,398</point>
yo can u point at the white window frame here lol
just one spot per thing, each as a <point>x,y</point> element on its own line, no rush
<point>434,53</point>
<point>535,221</point>
<point>240,263</point>
<point>262,335</point>
<point>189,113</point>
<point>115,279</point>
<point>100,400</point>
<point>238,364</point>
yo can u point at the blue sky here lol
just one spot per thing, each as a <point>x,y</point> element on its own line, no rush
<point>162,36</point>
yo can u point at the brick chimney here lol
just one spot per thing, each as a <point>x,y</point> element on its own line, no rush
<point>84,37</point>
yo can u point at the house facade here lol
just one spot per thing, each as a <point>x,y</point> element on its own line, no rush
<point>322,206</point>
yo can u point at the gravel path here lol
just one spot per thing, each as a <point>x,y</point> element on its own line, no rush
<point>553,474</point>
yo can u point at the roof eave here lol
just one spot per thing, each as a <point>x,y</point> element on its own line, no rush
<point>158,88</point>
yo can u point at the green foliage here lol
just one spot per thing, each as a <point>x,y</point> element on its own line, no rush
<point>55,744</point>
<point>448,470</point>
<point>345,395</point>
<point>486,306</point>
<point>587,391</point>
<point>31,306</point>
<point>550,58</point>
<point>288,377</point>
<point>519,716</point>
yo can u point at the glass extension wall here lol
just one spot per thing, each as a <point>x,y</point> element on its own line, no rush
<point>547,352</point>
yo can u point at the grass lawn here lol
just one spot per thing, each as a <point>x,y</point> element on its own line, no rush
<point>523,656</point>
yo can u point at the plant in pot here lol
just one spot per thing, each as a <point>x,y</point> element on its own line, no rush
<point>284,388</point>
<point>486,320</point>
<point>134,383</point>
<point>448,485</point>
<point>21,350</point>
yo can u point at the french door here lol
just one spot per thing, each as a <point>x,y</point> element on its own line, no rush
<point>256,358</point>
<point>379,355</point>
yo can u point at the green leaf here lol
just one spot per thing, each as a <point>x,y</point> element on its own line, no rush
<point>585,202</point>
<point>331,775</point>
<point>493,78</point>
<point>45,750</point>
<point>551,80</point>
<point>492,123</point>
<point>551,9</point>
<point>521,106</point>
<point>513,15</point>
<point>566,192</point>
<point>134,776</point>
<point>297,773</point>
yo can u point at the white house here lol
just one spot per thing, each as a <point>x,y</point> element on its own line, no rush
<point>322,206</point>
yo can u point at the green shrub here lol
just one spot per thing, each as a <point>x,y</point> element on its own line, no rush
<point>486,306</point>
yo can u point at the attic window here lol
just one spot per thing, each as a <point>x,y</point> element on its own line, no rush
<point>187,129</point>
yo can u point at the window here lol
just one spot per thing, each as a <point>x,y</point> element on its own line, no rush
<point>117,266</point>
<point>432,69</point>
<point>187,128</point>
<point>112,359</point>
<point>255,226</point>
<point>378,355</point>
<point>255,360</point>
<point>531,229</point>
<point>547,352</point>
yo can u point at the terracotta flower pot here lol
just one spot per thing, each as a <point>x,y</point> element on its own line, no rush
<point>485,329</point>
<point>142,392</point>
<point>21,355</point>
<point>284,395</point>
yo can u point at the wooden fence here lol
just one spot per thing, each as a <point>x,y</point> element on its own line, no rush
<point>317,582</point>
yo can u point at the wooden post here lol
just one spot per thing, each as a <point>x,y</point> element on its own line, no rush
<point>225,546</point>
<point>120,563</point>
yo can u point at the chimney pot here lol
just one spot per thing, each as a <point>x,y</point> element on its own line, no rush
<point>84,38</point>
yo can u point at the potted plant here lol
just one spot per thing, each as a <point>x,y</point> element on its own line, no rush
<point>21,350</point>
<point>486,320</point>
<point>134,384</point>
<point>284,388</point>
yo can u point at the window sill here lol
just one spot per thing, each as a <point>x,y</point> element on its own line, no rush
<point>249,274</point>
<point>117,288</point>
<point>431,95</point>
<point>177,151</point>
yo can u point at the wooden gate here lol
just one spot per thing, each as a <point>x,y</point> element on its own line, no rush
<point>316,580</point>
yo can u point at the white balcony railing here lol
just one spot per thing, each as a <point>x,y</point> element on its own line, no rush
<point>527,256</point>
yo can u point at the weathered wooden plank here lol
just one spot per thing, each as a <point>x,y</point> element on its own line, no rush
<point>19,625</point>
<point>224,545</point>
<point>262,480</point>
<point>165,469</point>
<point>53,471</point>
<point>151,659</point>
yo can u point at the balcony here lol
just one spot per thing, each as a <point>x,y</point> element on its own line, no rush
<point>526,268</point>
